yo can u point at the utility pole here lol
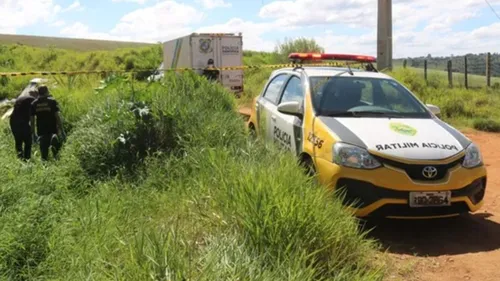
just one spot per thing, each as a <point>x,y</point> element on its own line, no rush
<point>384,35</point>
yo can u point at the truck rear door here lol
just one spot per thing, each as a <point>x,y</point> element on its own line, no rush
<point>203,48</point>
<point>231,54</point>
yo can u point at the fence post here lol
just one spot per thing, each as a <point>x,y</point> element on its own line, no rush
<point>404,63</point>
<point>450,74</point>
<point>488,69</point>
<point>465,73</point>
<point>425,70</point>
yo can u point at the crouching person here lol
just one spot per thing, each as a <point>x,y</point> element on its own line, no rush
<point>45,113</point>
<point>20,125</point>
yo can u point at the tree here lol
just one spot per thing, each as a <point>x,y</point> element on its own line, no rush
<point>300,45</point>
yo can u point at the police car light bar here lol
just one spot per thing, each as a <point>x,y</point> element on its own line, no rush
<point>319,56</point>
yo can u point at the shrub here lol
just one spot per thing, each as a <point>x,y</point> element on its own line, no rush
<point>299,45</point>
<point>486,125</point>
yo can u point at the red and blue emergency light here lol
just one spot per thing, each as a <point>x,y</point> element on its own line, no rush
<point>321,56</point>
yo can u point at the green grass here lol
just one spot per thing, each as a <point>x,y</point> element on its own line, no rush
<point>459,106</point>
<point>67,43</point>
<point>151,187</point>
<point>25,58</point>
<point>475,81</point>
<point>486,124</point>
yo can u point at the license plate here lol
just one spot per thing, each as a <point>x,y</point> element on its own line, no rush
<point>430,199</point>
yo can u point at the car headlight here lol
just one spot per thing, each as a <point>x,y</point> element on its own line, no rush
<point>353,157</point>
<point>472,157</point>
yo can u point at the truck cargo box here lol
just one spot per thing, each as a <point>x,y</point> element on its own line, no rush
<point>195,50</point>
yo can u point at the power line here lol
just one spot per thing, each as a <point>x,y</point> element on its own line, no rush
<point>491,7</point>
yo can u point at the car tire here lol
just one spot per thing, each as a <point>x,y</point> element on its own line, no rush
<point>252,132</point>
<point>309,169</point>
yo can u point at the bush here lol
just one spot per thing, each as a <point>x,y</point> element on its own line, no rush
<point>125,134</point>
<point>486,125</point>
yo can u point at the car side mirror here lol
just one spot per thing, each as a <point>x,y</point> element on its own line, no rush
<point>434,109</point>
<point>290,107</point>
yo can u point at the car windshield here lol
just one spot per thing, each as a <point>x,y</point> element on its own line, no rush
<point>364,96</point>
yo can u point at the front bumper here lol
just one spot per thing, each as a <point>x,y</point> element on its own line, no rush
<point>375,201</point>
<point>384,192</point>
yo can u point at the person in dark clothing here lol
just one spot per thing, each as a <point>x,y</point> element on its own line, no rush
<point>45,109</point>
<point>20,125</point>
<point>211,74</point>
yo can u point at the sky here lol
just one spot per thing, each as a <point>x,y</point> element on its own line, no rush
<point>420,27</point>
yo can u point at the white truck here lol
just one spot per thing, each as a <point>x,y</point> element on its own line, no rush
<point>196,49</point>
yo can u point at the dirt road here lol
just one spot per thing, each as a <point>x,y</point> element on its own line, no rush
<point>462,248</point>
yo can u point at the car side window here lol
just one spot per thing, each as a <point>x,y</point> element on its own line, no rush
<point>293,90</point>
<point>273,89</point>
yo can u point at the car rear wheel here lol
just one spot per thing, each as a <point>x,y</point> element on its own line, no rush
<point>252,132</point>
<point>309,169</point>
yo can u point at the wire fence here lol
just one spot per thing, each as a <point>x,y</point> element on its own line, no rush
<point>469,71</point>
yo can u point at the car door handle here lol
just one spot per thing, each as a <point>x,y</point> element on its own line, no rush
<point>273,117</point>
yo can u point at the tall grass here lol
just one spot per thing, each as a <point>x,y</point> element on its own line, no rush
<point>160,181</point>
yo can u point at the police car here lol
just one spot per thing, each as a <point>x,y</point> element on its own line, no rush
<point>363,133</point>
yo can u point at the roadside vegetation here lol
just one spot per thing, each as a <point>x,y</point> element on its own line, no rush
<point>25,58</point>
<point>476,63</point>
<point>464,108</point>
<point>150,186</point>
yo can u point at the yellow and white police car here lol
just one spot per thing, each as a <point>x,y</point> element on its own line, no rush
<point>362,132</point>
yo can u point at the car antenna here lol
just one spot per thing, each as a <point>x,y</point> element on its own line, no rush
<point>370,67</point>
<point>297,64</point>
<point>350,70</point>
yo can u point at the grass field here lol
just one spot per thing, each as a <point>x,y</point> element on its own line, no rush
<point>28,58</point>
<point>475,81</point>
<point>67,43</point>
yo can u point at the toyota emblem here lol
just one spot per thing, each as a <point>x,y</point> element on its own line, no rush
<point>429,172</point>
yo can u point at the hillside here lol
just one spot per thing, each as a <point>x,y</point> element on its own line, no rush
<point>26,58</point>
<point>68,43</point>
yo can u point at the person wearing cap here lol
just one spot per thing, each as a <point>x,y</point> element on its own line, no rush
<point>45,111</point>
<point>20,124</point>
<point>211,74</point>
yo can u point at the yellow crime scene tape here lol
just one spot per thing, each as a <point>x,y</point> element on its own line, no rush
<point>47,73</point>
